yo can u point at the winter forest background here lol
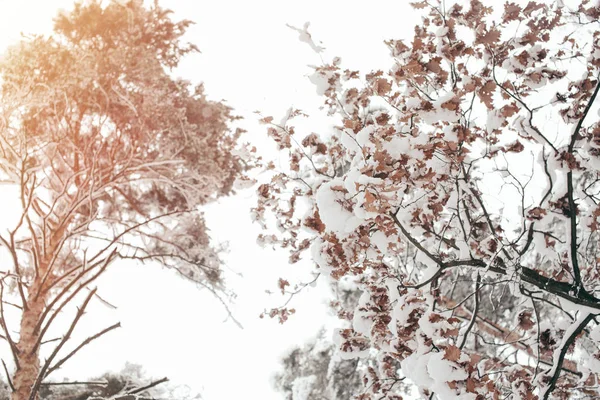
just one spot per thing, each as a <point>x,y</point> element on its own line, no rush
<point>395,200</point>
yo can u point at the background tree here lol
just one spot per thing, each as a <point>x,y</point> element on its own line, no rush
<point>318,370</point>
<point>460,192</point>
<point>112,158</point>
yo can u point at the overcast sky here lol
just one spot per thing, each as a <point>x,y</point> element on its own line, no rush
<point>253,61</point>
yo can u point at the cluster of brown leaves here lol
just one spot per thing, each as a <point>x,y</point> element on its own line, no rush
<point>403,197</point>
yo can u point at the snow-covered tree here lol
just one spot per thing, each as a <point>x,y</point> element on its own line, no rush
<point>460,190</point>
<point>112,158</point>
<point>317,369</point>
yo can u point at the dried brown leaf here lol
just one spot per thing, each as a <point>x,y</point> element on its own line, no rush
<point>451,353</point>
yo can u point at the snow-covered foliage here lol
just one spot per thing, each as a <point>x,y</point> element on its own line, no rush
<point>316,371</point>
<point>460,189</point>
<point>319,366</point>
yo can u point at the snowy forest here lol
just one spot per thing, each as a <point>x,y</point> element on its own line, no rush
<point>300,201</point>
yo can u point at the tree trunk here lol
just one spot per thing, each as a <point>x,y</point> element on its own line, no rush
<point>28,348</point>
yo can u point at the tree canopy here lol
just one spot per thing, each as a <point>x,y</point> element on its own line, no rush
<point>460,193</point>
<point>112,158</point>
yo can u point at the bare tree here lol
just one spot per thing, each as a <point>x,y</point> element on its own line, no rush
<point>112,157</point>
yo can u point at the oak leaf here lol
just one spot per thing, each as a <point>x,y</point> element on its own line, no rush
<point>382,86</point>
<point>451,353</point>
<point>282,284</point>
<point>452,104</point>
<point>515,147</point>
<point>490,37</point>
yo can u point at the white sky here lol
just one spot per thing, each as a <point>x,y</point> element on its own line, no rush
<point>251,59</point>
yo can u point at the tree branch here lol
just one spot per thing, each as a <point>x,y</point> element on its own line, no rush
<point>565,345</point>
<point>84,343</point>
